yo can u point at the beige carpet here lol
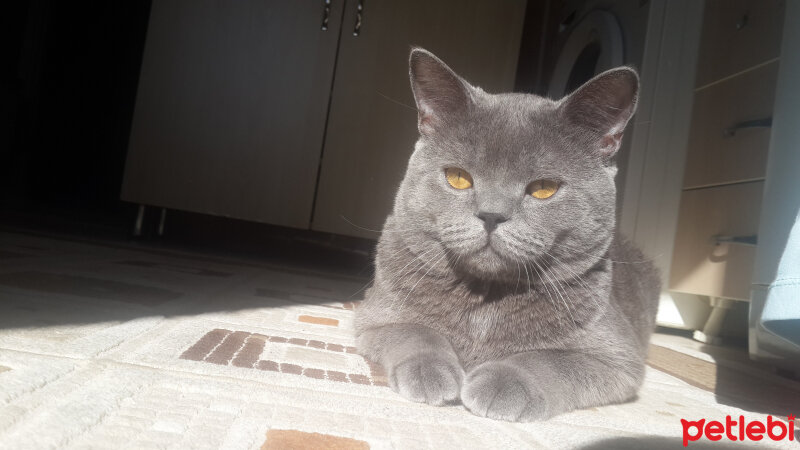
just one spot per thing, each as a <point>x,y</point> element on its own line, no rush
<point>107,346</point>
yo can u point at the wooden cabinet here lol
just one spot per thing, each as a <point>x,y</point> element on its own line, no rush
<point>716,236</point>
<point>251,110</point>
<point>730,130</point>
<point>737,36</point>
<point>373,121</point>
<point>705,261</point>
<point>231,108</point>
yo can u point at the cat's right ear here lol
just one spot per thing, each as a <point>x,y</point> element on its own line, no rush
<point>440,94</point>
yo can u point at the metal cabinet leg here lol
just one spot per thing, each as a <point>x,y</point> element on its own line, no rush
<point>161,221</point>
<point>137,226</point>
<point>713,326</point>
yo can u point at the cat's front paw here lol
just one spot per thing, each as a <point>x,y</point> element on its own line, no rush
<point>427,378</point>
<point>502,391</point>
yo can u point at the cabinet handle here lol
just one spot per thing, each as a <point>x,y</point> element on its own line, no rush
<point>359,13</point>
<point>743,21</point>
<point>326,14</point>
<point>751,240</point>
<point>758,123</point>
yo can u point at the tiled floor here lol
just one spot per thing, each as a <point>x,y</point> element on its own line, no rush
<point>113,346</point>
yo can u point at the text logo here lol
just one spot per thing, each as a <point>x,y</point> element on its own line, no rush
<point>738,430</point>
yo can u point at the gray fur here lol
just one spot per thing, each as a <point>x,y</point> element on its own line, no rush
<point>550,312</point>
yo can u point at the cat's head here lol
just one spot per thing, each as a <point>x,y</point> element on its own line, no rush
<point>512,179</point>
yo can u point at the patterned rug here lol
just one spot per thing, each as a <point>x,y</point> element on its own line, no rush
<point>114,346</point>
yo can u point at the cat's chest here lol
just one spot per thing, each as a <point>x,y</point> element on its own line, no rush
<point>490,324</point>
<point>495,331</point>
<point>517,321</point>
<point>481,323</point>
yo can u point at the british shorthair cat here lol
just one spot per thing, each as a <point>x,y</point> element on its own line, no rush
<point>501,281</point>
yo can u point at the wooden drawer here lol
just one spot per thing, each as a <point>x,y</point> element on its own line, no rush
<point>715,156</point>
<point>698,265</point>
<point>737,35</point>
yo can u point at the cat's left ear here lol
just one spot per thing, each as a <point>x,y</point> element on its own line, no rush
<point>604,105</point>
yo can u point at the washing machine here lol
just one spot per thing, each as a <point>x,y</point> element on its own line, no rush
<point>582,38</point>
<point>589,37</point>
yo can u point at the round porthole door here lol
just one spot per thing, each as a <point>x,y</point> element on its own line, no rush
<point>593,46</point>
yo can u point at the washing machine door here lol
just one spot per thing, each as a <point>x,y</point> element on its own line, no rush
<point>594,45</point>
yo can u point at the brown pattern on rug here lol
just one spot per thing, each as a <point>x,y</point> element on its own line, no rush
<point>243,349</point>
<point>318,320</point>
<point>297,440</point>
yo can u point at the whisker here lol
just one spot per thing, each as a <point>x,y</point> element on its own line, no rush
<point>574,276</point>
<point>541,247</point>
<point>359,226</point>
<point>548,295</point>
<point>578,278</point>
<point>350,222</point>
<point>424,275</point>
<point>415,260</point>
<point>362,288</point>
<point>417,268</point>
<point>556,288</point>
<point>395,101</point>
<point>525,266</point>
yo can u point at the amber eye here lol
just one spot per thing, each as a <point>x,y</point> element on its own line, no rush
<point>542,189</point>
<point>458,178</point>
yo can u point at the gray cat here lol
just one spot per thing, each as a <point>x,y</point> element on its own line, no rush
<point>500,279</point>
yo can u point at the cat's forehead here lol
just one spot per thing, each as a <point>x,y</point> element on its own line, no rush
<point>510,128</point>
<point>514,118</point>
<point>519,109</point>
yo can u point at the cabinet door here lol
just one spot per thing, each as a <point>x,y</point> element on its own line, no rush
<point>703,265</point>
<point>231,107</point>
<point>373,121</point>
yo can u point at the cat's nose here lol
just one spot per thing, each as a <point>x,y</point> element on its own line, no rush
<point>491,220</point>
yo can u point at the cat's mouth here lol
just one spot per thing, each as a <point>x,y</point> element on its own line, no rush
<point>492,248</point>
<point>492,257</point>
<point>498,246</point>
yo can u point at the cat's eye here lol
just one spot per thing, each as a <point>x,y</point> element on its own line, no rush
<point>542,189</point>
<point>458,178</point>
